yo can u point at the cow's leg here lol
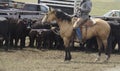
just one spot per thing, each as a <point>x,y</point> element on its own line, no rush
<point>6,43</point>
<point>39,42</point>
<point>31,42</point>
<point>45,43</point>
<point>113,44</point>
<point>118,45</point>
<point>56,42</point>
<point>39,45</point>
<point>22,42</point>
<point>11,41</point>
<point>16,41</point>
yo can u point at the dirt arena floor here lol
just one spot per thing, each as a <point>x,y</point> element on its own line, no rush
<point>30,59</point>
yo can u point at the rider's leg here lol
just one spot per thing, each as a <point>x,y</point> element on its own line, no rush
<point>79,34</point>
<point>80,22</point>
<point>77,29</point>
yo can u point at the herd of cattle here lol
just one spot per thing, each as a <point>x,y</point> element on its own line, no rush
<point>14,30</point>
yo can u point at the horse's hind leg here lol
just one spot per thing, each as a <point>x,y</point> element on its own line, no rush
<point>99,49</point>
<point>107,50</point>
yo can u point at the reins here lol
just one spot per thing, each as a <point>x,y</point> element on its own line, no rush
<point>86,32</point>
<point>85,36</point>
<point>55,30</point>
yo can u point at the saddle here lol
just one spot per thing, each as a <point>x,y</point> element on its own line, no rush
<point>87,23</point>
<point>90,22</point>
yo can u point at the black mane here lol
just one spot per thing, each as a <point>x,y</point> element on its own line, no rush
<point>61,15</point>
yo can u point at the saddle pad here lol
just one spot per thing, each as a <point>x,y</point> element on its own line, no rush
<point>94,22</point>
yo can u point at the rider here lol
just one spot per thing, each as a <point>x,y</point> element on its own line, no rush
<point>83,15</point>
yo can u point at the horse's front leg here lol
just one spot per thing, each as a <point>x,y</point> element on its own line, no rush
<point>67,49</point>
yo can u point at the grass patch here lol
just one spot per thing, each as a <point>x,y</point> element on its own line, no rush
<point>100,7</point>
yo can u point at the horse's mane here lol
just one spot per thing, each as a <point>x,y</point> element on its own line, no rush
<point>63,16</point>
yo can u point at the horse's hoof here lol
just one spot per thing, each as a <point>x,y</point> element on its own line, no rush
<point>105,61</point>
<point>6,49</point>
<point>67,61</point>
<point>21,48</point>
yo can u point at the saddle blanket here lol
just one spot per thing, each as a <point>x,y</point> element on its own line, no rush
<point>94,22</point>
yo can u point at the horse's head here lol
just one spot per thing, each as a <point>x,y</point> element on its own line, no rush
<point>50,16</point>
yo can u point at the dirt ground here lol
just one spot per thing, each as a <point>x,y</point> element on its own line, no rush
<point>30,59</point>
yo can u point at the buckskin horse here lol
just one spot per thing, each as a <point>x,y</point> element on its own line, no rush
<point>100,30</point>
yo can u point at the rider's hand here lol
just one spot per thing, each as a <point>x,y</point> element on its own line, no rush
<point>75,25</point>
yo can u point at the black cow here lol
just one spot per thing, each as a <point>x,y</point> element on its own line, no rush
<point>91,45</point>
<point>22,31</point>
<point>4,31</point>
<point>34,26</point>
<point>45,39</point>
<point>115,34</point>
<point>18,31</point>
<point>35,33</point>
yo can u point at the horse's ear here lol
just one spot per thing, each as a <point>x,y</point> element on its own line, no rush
<point>51,9</point>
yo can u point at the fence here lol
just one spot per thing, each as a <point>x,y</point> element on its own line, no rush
<point>22,13</point>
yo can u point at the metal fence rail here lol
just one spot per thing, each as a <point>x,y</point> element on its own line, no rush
<point>22,13</point>
<point>66,3</point>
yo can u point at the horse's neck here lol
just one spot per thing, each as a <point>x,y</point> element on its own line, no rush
<point>65,25</point>
<point>60,23</point>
